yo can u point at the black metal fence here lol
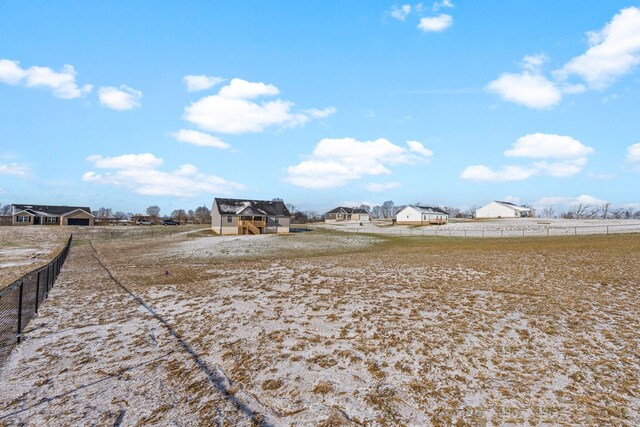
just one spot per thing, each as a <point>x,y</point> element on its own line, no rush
<point>21,300</point>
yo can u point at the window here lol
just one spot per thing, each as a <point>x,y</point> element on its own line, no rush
<point>51,219</point>
<point>21,218</point>
<point>277,220</point>
<point>229,219</point>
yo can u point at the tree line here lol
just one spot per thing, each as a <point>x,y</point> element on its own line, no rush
<point>199,215</point>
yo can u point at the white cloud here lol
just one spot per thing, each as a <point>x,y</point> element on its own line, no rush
<point>511,199</point>
<point>122,98</point>
<point>400,13</point>
<point>583,199</point>
<point>633,156</point>
<point>435,23</point>
<point>13,169</point>
<point>613,51</point>
<point>201,82</point>
<point>335,162</point>
<point>320,114</point>
<point>568,154</point>
<point>418,148</point>
<point>140,173</point>
<point>378,187</point>
<point>504,174</point>
<point>442,4</point>
<point>243,89</point>
<point>562,168</point>
<point>233,111</point>
<point>542,146</point>
<point>126,161</point>
<point>528,89</point>
<point>199,138</point>
<point>10,72</point>
<point>62,83</point>
<point>534,63</point>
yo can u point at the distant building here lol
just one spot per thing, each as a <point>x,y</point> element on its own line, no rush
<point>50,215</point>
<point>499,209</point>
<point>421,215</point>
<point>346,214</point>
<point>242,216</point>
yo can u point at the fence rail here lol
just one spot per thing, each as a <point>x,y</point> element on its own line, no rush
<point>507,232</point>
<point>20,300</point>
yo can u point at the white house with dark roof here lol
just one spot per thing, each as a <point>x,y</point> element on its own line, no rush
<point>421,215</point>
<point>500,209</point>
<point>342,213</point>
<point>244,216</point>
<point>50,215</point>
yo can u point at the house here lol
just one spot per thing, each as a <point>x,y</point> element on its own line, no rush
<point>241,216</point>
<point>500,209</point>
<point>50,215</point>
<point>421,215</point>
<point>346,214</point>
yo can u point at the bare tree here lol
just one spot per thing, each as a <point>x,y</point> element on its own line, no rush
<point>388,209</point>
<point>365,207</point>
<point>203,215</point>
<point>548,212</point>
<point>180,215</point>
<point>154,212</point>
<point>453,212</point>
<point>104,213</point>
<point>5,210</point>
<point>376,212</point>
<point>192,216</point>
<point>604,210</point>
<point>581,211</point>
<point>120,215</point>
<point>471,212</point>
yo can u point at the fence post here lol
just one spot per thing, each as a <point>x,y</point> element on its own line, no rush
<point>37,291</point>
<point>575,231</point>
<point>607,230</point>
<point>482,233</point>
<point>48,279</point>
<point>547,231</point>
<point>523,232</point>
<point>18,337</point>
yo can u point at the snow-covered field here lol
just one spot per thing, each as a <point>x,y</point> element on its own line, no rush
<point>331,329</point>
<point>24,248</point>
<point>523,227</point>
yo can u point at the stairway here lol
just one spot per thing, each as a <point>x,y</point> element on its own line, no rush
<point>252,229</point>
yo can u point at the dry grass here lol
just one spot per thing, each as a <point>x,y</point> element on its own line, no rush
<point>398,332</point>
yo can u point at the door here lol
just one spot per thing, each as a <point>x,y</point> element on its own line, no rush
<point>78,221</point>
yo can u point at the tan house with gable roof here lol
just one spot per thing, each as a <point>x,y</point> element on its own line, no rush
<point>50,215</point>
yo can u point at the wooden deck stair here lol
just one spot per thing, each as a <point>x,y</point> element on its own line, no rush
<point>252,229</point>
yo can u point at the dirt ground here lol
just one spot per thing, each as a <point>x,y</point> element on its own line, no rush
<point>324,328</point>
<point>23,249</point>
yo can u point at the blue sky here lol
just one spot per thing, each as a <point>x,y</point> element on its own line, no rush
<point>125,105</point>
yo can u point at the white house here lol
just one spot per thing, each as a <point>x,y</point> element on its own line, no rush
<point>499,209</point>
<point>421,215</point>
